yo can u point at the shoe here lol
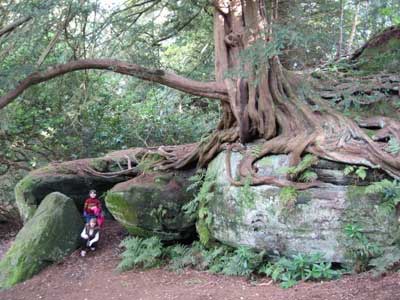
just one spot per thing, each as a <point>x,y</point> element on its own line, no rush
<point>92,248</point>
<point>83,253</point>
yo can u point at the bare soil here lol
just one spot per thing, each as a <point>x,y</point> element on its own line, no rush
<point>94,277</point>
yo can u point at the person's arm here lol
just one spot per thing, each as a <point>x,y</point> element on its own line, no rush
<point>98,204</point>
<point>95,239</point>
<point>83,234</point>
<point>85,206</point>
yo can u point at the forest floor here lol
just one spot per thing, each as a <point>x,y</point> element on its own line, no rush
<point>94,277</point>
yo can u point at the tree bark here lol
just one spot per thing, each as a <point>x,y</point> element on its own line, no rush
<point>259,100</point>
<point>205,89</point>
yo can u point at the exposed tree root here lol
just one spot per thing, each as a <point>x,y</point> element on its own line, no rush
<point>262,103</point>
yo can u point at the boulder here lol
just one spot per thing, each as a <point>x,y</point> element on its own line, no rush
<point>380,53</point>
<point>50,235</point>
<point>151,204</point>
<point>256,216</point>
<point>74,179</point>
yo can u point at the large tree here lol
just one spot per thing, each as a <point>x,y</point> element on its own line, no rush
<point>259,99</point>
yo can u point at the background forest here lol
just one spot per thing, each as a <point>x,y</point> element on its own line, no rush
<point>88,113</point>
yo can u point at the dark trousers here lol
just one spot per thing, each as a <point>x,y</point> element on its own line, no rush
<point>84,244</point>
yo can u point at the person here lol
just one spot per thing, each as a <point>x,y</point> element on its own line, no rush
<point>90,236</point>
<point>92,209</point>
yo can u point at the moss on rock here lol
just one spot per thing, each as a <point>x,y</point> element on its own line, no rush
<point>314,223</point>
<point>50,235</point>
<point>151,204</point>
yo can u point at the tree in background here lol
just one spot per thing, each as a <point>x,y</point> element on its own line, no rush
<point>257,96</point>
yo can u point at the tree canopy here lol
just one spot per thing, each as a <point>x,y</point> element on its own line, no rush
<point>87,113</point>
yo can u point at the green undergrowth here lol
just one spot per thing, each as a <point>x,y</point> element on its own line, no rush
<point>301,170</point>
<point>359,248</point>
<point>198,207</point>
<point>389,191</point>
<point>222,259</point>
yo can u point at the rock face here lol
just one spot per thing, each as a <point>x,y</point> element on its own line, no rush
<point>257,217</point>
<point>151,204</point>
<point>50,235</point>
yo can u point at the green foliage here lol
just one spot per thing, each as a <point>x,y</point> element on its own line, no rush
<point>198,207</point>
<point>287,199</point>
<point>359,248</point>
<point>301,170</point>
<point>145,253</point>
<point>223,259</point>
<point>246,194</point>
<point>217,259</point>
<point>360,171</point>
<point>389,191</point>
<point>197,180</point>
<point>256,150</point>
<point>299,267</point>
<point>180,256</point>
<point>393,146</point>
<point>146,164</point>
<point>308,176</point>
<point>158,213</point>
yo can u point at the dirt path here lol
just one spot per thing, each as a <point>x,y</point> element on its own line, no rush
<point>93,278</point>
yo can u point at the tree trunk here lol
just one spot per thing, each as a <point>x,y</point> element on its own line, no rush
<point>340,40</point>
<point>259,99</point>
<point>353,30</point>
<point>263,102</point>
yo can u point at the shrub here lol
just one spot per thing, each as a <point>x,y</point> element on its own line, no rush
<point>145,253</point>
<point>299,267</point>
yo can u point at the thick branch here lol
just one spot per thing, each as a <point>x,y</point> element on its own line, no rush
<point>206,89</point>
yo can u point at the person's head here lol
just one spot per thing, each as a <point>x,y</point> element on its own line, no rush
<point>92,222</point>
<point>92,193</point>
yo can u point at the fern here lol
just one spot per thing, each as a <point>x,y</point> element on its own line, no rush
<point>389,191</point>
<point>348,170</point>
<point>196,180</point>
<point>361,171</point>
<point>289,271</point>
<point>246,194</point>
<point>359,247</point>
<point>308,176</point>
<point>180,257</point>
<point>204,183</point>
<point>288,197</point>
<point>190,208</point>
<point>242,262</point>
<point>393,146</point>
<point>297,171</point>
<point>256,150</point>
<point>145,253</point>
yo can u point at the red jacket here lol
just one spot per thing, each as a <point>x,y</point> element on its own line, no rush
<point>91,203</point>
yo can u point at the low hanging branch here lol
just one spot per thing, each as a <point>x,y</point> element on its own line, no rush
<point>263,104</point>
<point>205,89</point>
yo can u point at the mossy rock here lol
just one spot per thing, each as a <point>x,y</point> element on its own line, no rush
<point>151,204</point>
<point>49,236</point>
<point>381,52</point>
<point>313,222</point>
<point>68,178</point>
